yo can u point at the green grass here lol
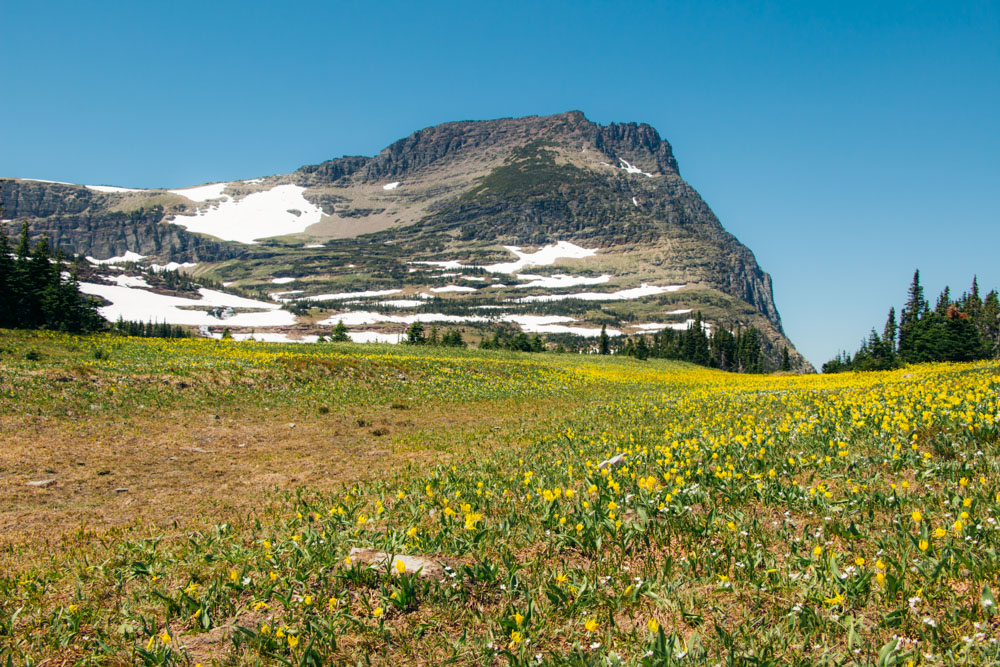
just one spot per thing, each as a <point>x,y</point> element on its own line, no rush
<point>755,520</point>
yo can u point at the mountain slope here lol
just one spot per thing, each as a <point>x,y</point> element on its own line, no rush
<point>458,194</point>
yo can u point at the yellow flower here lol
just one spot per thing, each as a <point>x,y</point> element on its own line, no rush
<point>332,603</point>
<point>267,544</point>
<point>293,641</point>
<point>518,618</point>
<point>579,527</point>
<point>400,566</point>
<point>880,577</point>
<point>233,575</point>
<point>916,516</point>
<point>273,575</point>
<point>265,629</point>
<point>817,550</point>
<point>378,612</point>
<point>165,637</point>
<point>307,600</point>
<point>591,625</point>
<point>653,625</point>
<point>516,638</point>
<point>859,561</point>
<point>561,578</point>
<point>835,600</point>
<point>347,560</point>
<point>923,545</point>
<point>940,532</point>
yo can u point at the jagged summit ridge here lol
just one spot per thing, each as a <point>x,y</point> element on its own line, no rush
<point>639,143</point>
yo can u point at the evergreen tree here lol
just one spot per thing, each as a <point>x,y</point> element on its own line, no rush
<point>604,343</point>
<point>641,349</point>
<point>415,334</point>
<point>910,316</point>
<point>890,330</point>
<point>339,333</point>
<point>7,285</point>
<point>786,362</point>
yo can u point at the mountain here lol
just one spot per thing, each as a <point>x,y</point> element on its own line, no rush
<point>555,223</point>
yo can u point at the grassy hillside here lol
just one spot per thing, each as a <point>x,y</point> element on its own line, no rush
<point>201,500</point>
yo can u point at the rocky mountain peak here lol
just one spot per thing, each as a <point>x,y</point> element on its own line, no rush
<point>638,143</point>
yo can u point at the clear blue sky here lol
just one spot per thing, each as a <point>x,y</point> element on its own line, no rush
<point>846,143</point>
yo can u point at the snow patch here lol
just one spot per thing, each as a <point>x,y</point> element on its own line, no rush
<point>202,193</point>
<point>444,265</point>
<point>110,188</point>
<point>373,337</point>
<point>280,210</point>
<point>633,169</point>
<point>42,180</point>
<point>127,281</point>
<point>267,337</point>
<point>401,303</point>
<point>543,257</point>
<point>351,295</point>
<point>620,295</point>
<point>453,288</point>
<point>635,201</point>
<point>391,186</point>
<point>280,296</point>
<point>315,245</point>
<point>559,280</point>
<point>144,306</point>
<point>129,256</point>
<point>282,281</point>
<point>172,266</point>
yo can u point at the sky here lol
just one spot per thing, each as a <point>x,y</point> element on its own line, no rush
<point>846,143</point>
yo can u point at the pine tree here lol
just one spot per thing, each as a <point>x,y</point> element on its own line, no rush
<point>339,333</point>
<point>786,362</point>
<point>7,284</point>
<point>890,330</point>
<point>641,349</point>
<point>604,343</point>
<point>415,334</point>
<point>909,319</point>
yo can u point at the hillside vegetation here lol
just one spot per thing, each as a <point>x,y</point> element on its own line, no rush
<point>197,502</point>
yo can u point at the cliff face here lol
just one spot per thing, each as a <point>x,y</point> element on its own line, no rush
<point>454,190</point>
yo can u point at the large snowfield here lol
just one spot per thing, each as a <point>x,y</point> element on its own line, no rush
<point>275,212</point>
<point>144,306</point>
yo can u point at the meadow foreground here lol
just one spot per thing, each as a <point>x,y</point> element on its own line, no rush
<point>197,502</point>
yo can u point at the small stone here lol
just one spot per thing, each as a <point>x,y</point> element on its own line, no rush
<point>42,483</point>
<point>291,426</point>
<point>121,489</point>
<point>414,564</point>
<point>613,462</point>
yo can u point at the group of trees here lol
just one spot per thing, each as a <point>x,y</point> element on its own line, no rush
<point>516,341</point>
<point>965,329</point>
<point>150,329</point>
<point>36,291</point>
<point>739,352</point>
<point>415,336</point>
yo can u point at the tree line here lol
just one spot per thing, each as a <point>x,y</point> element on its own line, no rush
<point>741,351</point>
<point>37,293</point>
<point>963,329</point>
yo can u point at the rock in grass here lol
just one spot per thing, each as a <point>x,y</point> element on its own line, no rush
<point>414,564</point>
<point>42,483</point>
<point>613,462</point>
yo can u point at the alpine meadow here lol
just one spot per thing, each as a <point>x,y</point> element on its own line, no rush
<point>638,334</point>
